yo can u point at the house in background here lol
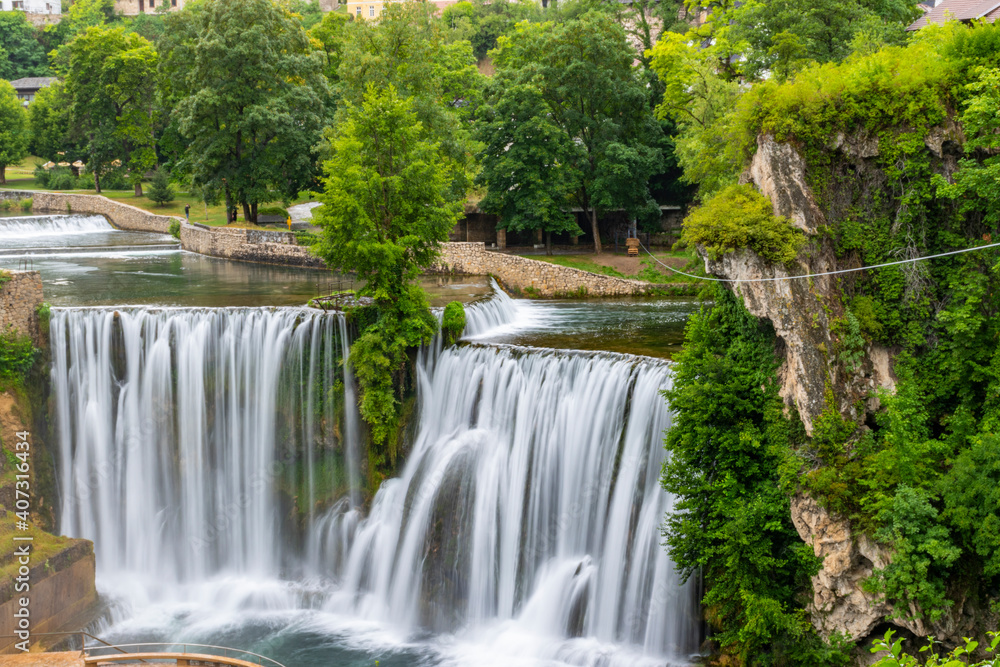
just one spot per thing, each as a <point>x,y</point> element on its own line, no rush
<point>27,88</point>
<point>958,10</point>
<point>44,7</point>
<point>136,7</point>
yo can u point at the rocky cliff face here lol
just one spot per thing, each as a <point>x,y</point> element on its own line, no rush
<point>814,375</point>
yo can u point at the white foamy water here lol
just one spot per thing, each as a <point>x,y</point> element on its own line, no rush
<point>45,226</point>
<point>523,528</point>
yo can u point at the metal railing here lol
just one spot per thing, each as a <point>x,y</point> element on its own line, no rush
<point>233,653</point>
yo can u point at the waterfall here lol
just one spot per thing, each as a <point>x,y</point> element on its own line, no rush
<point>199,445</point>
<point>40,226</point>
<point>187,438</point>
<point>530,499</point>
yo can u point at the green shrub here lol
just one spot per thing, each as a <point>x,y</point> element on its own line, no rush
<point>44,311</point>
<point>959,657</point>
<point>26,204</point>
<point>85,182</point>
<point>6,204</point>
<point>453,322</point>
<point>740,217</point>
<point>62,178</point>
<point>308,239</point>
<point>273,210</point>
<point>175,228</point>
<point>731,523</point>
<point>17,356</point>
<point>5,277</point>
<point>41,175</point>
<point>115,180</point>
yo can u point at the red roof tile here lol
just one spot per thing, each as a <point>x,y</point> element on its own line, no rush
<point>959,10</point>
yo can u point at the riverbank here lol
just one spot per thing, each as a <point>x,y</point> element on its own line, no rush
<point>520,275</point>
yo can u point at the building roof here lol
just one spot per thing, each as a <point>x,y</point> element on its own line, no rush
<point>33,82</point>
<point>959,10</point>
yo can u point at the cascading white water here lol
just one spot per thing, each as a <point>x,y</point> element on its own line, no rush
<point>529,505</point>
<point>42,226</point>
<point>185,434</point>
<point>524,525</point>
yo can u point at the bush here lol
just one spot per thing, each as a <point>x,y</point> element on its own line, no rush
<point>740,217</point>
<point>61,178</point>
<point>175,228</point>
<point>273,210</point>
<point>453,322</point>
<point>85,182</point>
<point>41,176</point>
<point>115,180</point>
<point>6,204</point>
<point>159,188</point>
<point>26,204</point>
<point>44,311</point>
<point>17,356</point>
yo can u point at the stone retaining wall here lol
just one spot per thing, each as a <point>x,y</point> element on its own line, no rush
<point>118,214</point>
<point>524,274</point>
<point>248,245</point>
<point>62,593</point>
<point>20,297</point>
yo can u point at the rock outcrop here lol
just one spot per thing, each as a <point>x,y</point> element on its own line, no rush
<point>840,604</point>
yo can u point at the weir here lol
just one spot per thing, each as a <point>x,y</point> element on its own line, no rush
<point>202,449</point>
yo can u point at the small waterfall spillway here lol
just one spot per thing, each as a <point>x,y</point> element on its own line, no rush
<point>214,456</point>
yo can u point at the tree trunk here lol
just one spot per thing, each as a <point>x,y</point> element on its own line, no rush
<point>138,188</point>
<point>230,218</point>
<point>548,243</point>
<point>250,213</point>
<point>3,174</point>
<point>97,181</point>
<point>596,231</point>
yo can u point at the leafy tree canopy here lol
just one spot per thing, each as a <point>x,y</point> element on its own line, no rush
<point>13,129</point>
<point>388,204</point>
<point>110,84</point>
<point>583,119</point>
<point>21,55</point>
<point>248,95</point>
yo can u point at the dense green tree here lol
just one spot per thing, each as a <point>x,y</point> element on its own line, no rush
<point>387,206</point>
<point>701,102</point>
<point>576,84</point>
<point>246,93</point>
<point>21,54</point>
<point>407,49</point>
<point>13,129</point>
<point>331,34</point>
<point>308,12</point>
<point>731,522</point>
<point>110,84</point>
<point>80,16</point>
<point>49,120</point>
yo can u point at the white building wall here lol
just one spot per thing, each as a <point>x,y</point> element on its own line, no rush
<point>33,6</point>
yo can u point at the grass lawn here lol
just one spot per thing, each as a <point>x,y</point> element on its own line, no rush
<point>641,268</point>
<point>21,178</point>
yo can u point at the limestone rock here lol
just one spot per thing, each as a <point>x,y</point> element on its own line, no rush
<point>779,172</point>
<point>839,602</point>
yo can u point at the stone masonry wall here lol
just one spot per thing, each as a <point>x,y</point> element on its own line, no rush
<point>120,215</point>
<point>522,273</point>
<point>247,245</point>
<point>20,297</point>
